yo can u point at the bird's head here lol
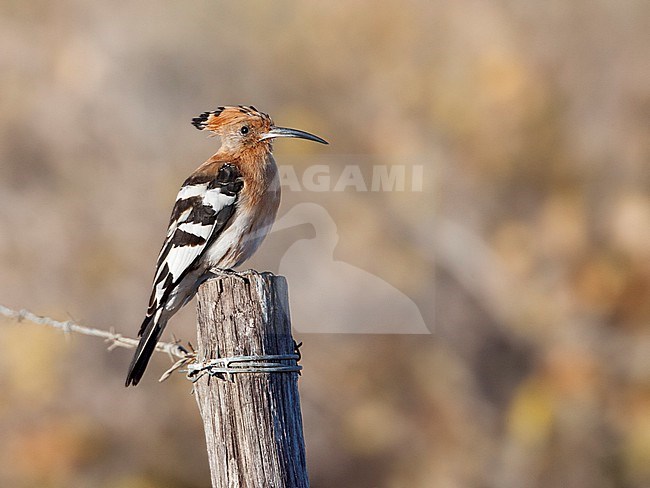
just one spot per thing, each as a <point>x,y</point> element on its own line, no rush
<point>242,127</point>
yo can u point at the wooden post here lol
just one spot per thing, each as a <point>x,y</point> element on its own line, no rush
<point>252,421</point>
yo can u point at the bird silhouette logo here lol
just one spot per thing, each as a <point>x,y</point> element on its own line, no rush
<point>358,302</point>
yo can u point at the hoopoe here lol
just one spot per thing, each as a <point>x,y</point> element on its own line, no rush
<point>222,213</point>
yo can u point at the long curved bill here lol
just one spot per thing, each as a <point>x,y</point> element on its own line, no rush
<point>286,132</point>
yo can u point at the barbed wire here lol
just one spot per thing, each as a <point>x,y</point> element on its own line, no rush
<point>196,369</point>
<point>173,349</point>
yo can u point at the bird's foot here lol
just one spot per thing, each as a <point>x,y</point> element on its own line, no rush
<point>251,272</point>
<point>227,272</point>
<point>223,271</point>
<point>243,275</point>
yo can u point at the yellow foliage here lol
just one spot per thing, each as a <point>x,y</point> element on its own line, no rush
<point>530,416</point>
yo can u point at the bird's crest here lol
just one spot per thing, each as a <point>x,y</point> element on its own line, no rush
<point>228,115</point>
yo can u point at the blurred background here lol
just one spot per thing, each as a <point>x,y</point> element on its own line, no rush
<point>526,253</point>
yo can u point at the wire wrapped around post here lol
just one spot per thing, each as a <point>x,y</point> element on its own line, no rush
<point>279,363</point>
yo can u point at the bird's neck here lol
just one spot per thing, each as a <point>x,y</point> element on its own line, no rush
<point>233,151</point>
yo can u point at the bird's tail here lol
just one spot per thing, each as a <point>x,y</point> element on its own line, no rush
<point>150,333</point>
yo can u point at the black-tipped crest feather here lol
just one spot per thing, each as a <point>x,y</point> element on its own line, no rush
<point>201,122</point>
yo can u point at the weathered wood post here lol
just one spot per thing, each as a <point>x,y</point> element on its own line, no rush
<point>252,420</point>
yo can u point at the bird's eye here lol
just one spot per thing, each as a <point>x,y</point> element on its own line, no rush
<point>244,130</point>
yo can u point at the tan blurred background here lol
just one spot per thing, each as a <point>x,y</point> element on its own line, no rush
<point>527,252</point>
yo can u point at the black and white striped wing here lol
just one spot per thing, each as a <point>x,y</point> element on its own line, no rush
<point>203,207</point>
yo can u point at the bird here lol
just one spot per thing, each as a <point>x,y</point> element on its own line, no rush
<point>222,213</point>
